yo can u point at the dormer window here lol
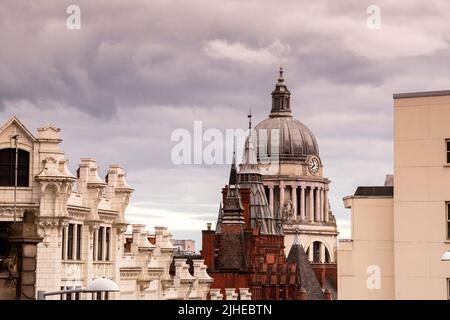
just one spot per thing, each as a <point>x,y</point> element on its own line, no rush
<point>7,167</point>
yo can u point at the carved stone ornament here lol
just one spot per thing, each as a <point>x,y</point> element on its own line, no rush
<point>288,211</point>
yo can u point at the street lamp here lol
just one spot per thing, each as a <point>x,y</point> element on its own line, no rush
<point>446,256</point>
<point>102,285</point>
<point>98,285</point>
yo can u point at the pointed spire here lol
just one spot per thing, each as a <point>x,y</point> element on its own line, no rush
<point>232,206</point>
<point>249,152</point>
<point>233,171</point>
<point>219,219</point>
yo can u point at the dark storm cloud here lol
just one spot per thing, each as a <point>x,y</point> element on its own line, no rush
<point>137,70</point>
<point>138,53</point>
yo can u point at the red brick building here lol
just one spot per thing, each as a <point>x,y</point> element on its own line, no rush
<point>247,248</point>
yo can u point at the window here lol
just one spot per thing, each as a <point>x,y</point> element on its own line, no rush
<point>79,233</point>
<point>447,220</point>
<point>70,242</point>
<point>447,143</point>
<point>7,167</point>
<point>100,244</point>
<point>4,238</point>
<point>448,288</point>
<point>447,216</point>
<point>108,240</point>
<point>71,239</point>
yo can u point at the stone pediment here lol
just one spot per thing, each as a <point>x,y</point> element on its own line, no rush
<point>13,127</point>
<point>49,132</point>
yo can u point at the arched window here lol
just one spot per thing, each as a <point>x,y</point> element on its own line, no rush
<point>7,167</point>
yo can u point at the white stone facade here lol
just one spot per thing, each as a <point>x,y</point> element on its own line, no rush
<point>309,213</point>
<point>82,221</point>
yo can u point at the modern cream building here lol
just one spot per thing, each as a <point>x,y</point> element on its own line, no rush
<point>399,233</point>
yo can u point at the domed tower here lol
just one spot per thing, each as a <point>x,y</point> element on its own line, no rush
<point>287,154</point>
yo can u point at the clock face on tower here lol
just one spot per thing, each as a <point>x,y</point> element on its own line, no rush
<point>313,165</point>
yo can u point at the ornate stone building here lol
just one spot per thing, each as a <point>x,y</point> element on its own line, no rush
<point>81,219</point>
<point>287,154</point>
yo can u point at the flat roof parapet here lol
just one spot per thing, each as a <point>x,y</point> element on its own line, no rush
<point>375,191</point>
<point>421,94</point>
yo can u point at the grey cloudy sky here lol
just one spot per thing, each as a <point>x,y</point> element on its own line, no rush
<point>137,70</point>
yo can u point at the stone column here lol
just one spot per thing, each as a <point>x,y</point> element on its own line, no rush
<point>294,199</point>
<point>322,253</point>
<point>271,199</point>
<point>89,232</point>
<point>96,244</point>
<point>322,211</point>
<point>302,203</point>
<point>104,244</point>
<point>311,203</point>
<point>311,252</point>
<point>66,241</point>
<point>281,196</point>
<point>74,242</point>
<point>326,209</point>
<point>317,204</point>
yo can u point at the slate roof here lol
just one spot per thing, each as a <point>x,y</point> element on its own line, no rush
<point>307,277</point>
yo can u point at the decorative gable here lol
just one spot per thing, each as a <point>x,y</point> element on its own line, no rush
<point>15,127</point>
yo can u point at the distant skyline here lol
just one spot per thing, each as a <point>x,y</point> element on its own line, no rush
<point>137,70</point>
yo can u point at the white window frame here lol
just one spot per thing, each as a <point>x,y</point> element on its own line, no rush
<point>65,240</point>
<point>447,220</point>
<point>447,151</point>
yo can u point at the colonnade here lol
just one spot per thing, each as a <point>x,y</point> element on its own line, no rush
<point>311,201</point>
